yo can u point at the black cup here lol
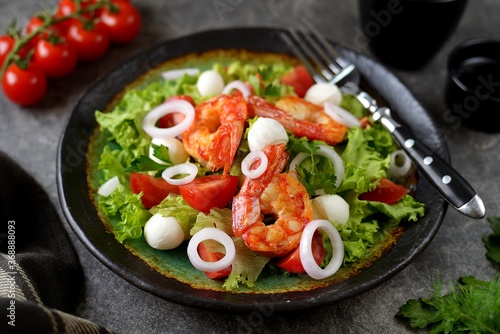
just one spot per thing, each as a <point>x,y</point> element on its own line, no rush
<point>473,88</point>
<point>406,34</point>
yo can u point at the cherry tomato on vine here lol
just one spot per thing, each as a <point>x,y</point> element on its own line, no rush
<point>35,23</point>
<point>123,21</point>
<point>26,86</point>
<point>91,40</point>
<point>6,45</point>
<point>56,59</point>
<point>68,7</point>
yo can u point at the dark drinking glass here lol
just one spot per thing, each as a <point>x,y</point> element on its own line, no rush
<point>406,34</point>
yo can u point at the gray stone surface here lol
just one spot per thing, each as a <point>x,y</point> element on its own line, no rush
<point>30,136</point>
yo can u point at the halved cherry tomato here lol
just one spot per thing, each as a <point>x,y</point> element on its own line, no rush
<point>292,263</point>
<point>209,256</point>
<point>211,191</point>
<point>25,87</point>
<point>154,189</point>
<point>55,59</point>
<point>299,79</point>
<point>123,21</point>
<point>90,39</point>
<point>172,119</point>
<point>386,192</point>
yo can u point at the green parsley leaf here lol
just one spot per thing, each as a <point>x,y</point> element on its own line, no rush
<point>492,241</point>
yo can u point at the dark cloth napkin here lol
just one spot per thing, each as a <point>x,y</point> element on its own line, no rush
<point>41,279</point>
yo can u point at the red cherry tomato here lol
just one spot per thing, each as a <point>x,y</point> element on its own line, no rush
<point>56,60</point>
<point>68,7</point>
<point>211,191</point>
<point>154,189</point>
<point>172,119</point>
<point>91,42</point>
<point>6,45</point>
<point>292,263</point>
<point>25,87</point>
<point>209,256</point>
<point>387,192</point>
<point>299,79</point>
<point>124,24</point>
<point>35,23</point>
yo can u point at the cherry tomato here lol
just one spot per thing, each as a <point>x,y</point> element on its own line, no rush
<point>35,23</point>
<point>209,256</point>
<point>386,192</point>
<point>91,42</point>
<point>6,45</point>
<point>211,191</point>
<point>124,24</point>
<point>299,79</point>
<point>154,189</point>
<point>292,263</point>
<point>68,7</point>
<point>25,87</point>
<point>55,59</point>
<point>172,119</point>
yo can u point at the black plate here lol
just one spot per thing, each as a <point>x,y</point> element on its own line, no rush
<point>83,217</point>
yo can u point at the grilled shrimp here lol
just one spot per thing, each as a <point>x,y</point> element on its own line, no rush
<point>217,129</point>
<point>273,193</point>
<point>302,118</point>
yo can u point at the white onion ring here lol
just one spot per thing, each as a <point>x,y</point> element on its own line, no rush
<point>211,233</point>
<point>239,85</point>
<point>109,186</point>
<point>306,256</point>
<point>403,170</point>
<point>340,115</point>
<point>327,152</point>
<point>169,107</point>
<point>185,168</point>
<point>179,73</point>
<point>252,157</point>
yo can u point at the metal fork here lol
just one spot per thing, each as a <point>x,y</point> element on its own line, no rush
<point>325,64</point>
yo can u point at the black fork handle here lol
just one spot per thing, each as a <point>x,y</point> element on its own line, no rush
<point>446,180</point>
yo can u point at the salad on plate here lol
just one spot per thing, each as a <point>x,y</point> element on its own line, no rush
<point>244,170</point>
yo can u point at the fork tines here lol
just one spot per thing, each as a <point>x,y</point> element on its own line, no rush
<point>317,54</point>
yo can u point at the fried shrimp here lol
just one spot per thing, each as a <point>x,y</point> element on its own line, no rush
<point>273,193</point>
<point>302,118</point>
<point>217,129</point>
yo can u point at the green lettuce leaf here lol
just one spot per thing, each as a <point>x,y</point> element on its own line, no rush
<point>175,206</point>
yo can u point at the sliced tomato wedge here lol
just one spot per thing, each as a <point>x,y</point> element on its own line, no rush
<point>386,192</point>
<point>209,256</point>
<point>154,189</point>
<point>292,263</point>
<point>299,79</point>
<point>211,191</point>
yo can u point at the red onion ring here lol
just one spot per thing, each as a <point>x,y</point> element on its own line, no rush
<point>211,233</point>
<point>169,107</point>
<point>250,159</point>
<point>340,115</point>
<point>306,256</point>
<point>185,168</point>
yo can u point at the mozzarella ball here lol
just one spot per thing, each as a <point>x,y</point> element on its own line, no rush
<point>163,232</point>
<point>210,83</point>
<point>331,207</point>
<point>264,132</point>
<point>176,150</point>
<point>323,92</point>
